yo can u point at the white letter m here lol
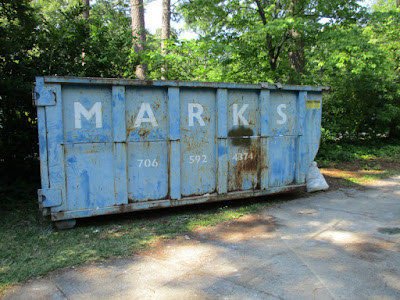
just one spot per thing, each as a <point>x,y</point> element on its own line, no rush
<point>80,110</point>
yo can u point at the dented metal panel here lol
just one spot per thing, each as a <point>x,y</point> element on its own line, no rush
<point>117,145</point>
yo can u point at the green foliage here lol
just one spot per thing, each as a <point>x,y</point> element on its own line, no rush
<point>51,38</point>
<point>264,40</point>
<point>317,42</point>
<point>334,43</point>
<point>98,47</point>
<point>361,149</point>
<point>361,64</point>
<point>18,62</point>
<point>385,5</point>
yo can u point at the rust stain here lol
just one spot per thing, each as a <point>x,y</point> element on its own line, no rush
<point>156,104</point>
<point>144,133</point>
<point>245,167</point>
<point>55,96</point>
<point>131,200</point>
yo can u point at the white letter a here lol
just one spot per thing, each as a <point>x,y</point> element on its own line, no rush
<point>145,108</point>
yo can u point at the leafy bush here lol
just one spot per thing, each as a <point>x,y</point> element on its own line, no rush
<point>346,150</point>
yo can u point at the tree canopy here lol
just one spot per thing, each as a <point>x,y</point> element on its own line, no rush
<point>338,43</point>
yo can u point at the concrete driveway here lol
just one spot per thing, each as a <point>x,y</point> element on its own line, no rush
<point>336,245</point>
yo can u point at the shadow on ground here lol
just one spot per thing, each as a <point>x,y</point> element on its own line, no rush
<point>333,245</point>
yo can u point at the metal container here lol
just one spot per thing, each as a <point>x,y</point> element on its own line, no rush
<point>117,145</point>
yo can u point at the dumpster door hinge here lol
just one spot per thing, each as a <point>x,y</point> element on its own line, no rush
<point>50,197</point>
<point>43,95</point>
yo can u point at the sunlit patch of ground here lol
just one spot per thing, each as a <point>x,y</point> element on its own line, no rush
<point>359,173</point>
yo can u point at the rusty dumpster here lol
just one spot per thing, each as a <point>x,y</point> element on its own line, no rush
<point>118,145</point>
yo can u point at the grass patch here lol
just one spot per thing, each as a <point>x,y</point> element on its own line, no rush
<point>359,162</point>
<point>358,177</point>
<point>31,247</point>
<point>368,177</point>
<point>357,150</point>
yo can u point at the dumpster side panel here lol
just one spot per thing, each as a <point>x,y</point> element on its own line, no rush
<point>265,134</point>
<point>90,175</point>
<point>147,131</point>
<point>243,139</point>
<point>55,149</point>
<point>243,154</point>
<point>283,113</point>
<point>282,143</point>
<point>174,143</point>
<point>95,168</point>
<point>109,146</point>
<point>198,131</point>
<point>282,160</point>
<point>222,146</point>
<point>301,162</point>
<point>146,114</point>
<point>120,149</point>
<point>42,133</point>
<point>87,114</point>
<point>147,171</point>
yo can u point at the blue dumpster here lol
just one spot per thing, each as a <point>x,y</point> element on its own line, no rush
<point>118,145</point>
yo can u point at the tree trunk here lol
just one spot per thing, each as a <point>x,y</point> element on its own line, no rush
<point>296,54</point>
<point>165,32</point>
<point>86,7</point>
<point>274,51</point>
<point>138,33</point>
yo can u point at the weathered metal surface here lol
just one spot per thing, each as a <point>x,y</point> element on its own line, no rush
<point>116,145</point>
<point>140,206</point>
<point>175,83</point>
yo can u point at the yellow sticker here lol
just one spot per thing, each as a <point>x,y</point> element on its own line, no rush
<point>313,104</point>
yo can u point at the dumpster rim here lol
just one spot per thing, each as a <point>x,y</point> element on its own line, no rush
<point>179,83</point>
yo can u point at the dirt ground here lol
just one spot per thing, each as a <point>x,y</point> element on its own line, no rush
<point>359,174</point>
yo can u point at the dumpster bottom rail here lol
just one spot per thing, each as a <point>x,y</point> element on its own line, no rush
<point>156,204</point>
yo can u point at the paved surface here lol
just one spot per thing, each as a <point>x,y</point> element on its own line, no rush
<point>335,245</point>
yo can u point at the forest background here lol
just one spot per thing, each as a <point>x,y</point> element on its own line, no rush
<point>338,43</point>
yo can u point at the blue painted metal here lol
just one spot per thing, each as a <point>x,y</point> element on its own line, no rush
<point>49,197</point>
<point>117,145</point>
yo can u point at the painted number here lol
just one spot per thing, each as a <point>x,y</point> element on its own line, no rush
<point>242,156</point>
<point>147,163</point>
<point>198,159</point>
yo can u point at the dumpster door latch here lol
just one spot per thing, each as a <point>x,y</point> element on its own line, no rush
<point>50,197</point>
